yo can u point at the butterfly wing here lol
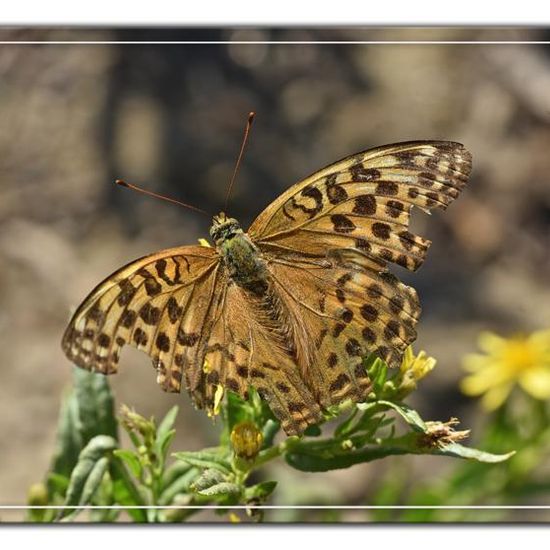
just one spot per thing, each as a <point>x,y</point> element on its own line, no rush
<point>181,309</point>
<point>351,308</point>
<point>247,347</point>
<point>160,304</point>
<point>328,240</point>
<point>364,201</point>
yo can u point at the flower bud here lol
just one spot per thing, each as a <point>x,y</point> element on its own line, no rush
<point>247,440</point>
<point>37,495</point>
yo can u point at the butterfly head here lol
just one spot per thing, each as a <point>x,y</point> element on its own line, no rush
<point>224,228</point>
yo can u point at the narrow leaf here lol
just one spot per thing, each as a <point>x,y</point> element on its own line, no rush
<point>221,489</point>
<point>178,486</point>
<point>260,491</point>
<point>345,426</point>
<point>130,459</point>
<point>204,460</point>
<point>125,492</point>
<point>68,440</point>
<point>167,423</point>
<point>162,444</point>
<point>174,471</point>
<point>269,431</point>
<point>410,415</point>
<point>207,479</point>
<point>307,462</point>
<point>57,483</point>
<point>96,449</point>
<point>455,449</point>
<point>93,481</point>
<point>95,404</point>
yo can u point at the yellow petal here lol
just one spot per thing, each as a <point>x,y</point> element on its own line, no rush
<point>494,374</point>
<point>536,382</point>
<point>496,396</point>
<point>474,385</point>
<point>408,358</point>
<point>218,396</point>
<point>490,342</point>
<point>474,362</point>
<point>540,338</point>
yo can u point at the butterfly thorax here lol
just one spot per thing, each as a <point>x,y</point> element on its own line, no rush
<point>242,259</point>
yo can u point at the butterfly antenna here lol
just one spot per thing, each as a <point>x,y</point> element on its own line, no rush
<point>251,116</point>
<point>123,183</point>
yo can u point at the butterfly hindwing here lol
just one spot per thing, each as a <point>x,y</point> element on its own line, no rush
<point>246,347</point>
<point>351,308</point>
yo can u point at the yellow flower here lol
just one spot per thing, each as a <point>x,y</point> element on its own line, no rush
<point>417,365</point>
<point>523,360</point>
<point>413,368</point>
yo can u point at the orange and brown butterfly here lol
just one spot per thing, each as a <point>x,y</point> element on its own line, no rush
<point>292,306</point>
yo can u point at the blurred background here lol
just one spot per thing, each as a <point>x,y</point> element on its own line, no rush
<point>170,118</point>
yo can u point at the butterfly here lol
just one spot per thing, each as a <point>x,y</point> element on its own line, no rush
<point>292,306</point>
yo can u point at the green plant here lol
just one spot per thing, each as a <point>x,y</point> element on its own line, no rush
<point>511,380</point>
<point>152,484</point>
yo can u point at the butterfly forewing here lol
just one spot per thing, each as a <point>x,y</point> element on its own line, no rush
<point>152,304</point>
<point>364,202</point>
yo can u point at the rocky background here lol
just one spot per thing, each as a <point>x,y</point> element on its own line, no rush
<point>170,117</point>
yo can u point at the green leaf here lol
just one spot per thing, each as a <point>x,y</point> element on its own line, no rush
<point>204,460</point>
<point>345,426</point>
<point>269,432</point>
<point>167,424</point>
<point>377,371</point>
<point>69,439</point>
<point>260,492</point>
<point>125,492</point>
<point>236,410</point>
<point>130,459</point>
<point>312,462</point>
<point>174,471</point>
<point>79,485</point>
<point>410,415</point>
<point>457,450</point>
<point>95,404</point>
<point>57,484</point>
<point>207,479</point>
<point>93,481</point>
<point>86,411</point>
<point>178,486</point>
<point>366,429</point>
<point>221,489</point>
<point>163,443</point>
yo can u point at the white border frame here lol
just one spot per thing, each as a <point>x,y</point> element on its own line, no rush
<point>284,42</point>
